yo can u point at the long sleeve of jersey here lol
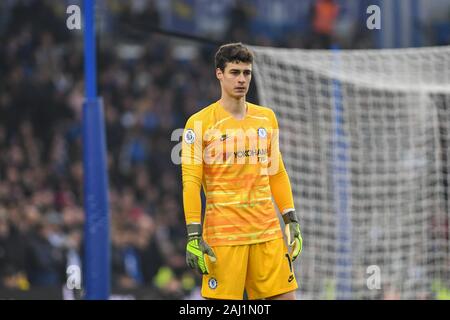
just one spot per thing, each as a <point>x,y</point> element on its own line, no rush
<point>192,202</point>
<point>278,177</point>
<point>192,171</point>
<point>281,188</point>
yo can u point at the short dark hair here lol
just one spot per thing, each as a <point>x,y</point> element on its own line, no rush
<point>232,52</point>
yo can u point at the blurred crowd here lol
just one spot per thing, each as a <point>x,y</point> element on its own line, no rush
<point>147,92</point>
<point>41,169</point>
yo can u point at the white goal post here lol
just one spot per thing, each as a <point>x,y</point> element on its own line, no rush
<point>365,139</point>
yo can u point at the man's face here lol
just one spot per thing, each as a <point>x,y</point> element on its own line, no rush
<point>235,79</point>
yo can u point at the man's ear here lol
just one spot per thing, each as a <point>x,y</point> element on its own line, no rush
<point>219,73</point>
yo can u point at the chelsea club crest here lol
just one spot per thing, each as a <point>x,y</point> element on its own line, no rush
<point>262,133</point>
<point>212,283</point>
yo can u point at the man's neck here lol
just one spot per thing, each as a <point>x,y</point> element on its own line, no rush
<point>237,107</point>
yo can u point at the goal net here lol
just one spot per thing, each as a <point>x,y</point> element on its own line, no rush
<point>365,138</point>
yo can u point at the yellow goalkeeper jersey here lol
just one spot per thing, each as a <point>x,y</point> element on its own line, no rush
<point>233,159</point>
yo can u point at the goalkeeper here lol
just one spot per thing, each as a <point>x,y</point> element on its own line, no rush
<point>230,148</point>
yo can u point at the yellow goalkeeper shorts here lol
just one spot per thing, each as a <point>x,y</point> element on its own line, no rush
<point>263,269</point>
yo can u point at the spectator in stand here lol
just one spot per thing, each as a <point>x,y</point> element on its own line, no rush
<point>323,17</point>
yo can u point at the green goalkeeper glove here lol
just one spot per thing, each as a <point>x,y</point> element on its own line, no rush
<point>293,235</point>
<point>197,248</point>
